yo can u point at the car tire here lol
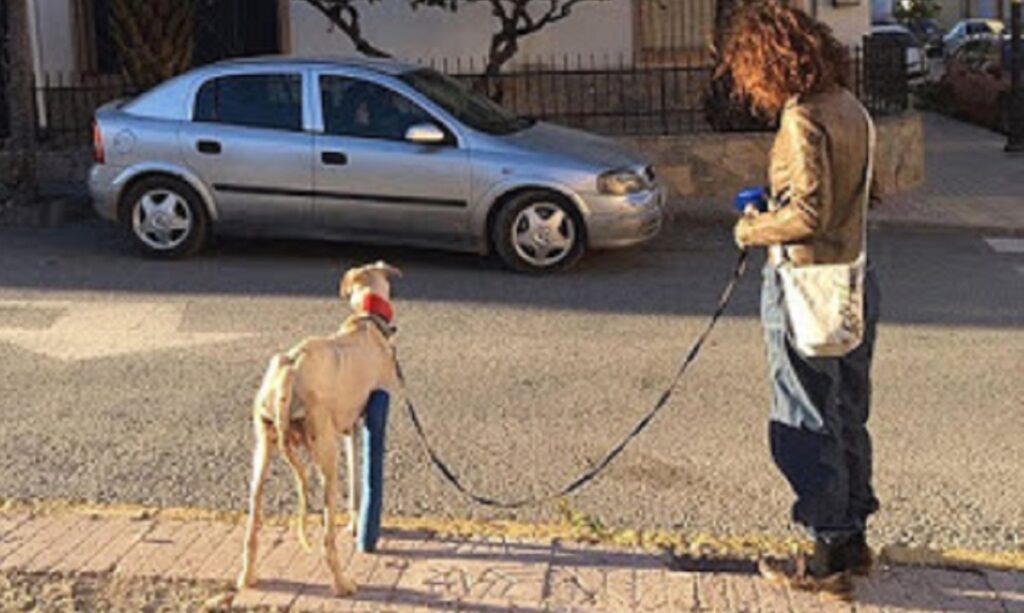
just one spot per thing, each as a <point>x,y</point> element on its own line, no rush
<point>166,217</point>
<point>538,232</point>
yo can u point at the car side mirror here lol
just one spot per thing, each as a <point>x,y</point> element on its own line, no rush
<point>425,134</point>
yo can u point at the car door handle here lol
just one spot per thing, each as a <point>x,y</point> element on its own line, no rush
<point>334,158</point>
<point>210,147</point>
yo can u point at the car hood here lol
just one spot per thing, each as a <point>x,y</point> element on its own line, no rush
<point>546,138</point>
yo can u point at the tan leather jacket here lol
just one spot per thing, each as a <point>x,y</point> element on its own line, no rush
<point>818,165</point>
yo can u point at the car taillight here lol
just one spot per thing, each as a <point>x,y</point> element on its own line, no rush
<point>98,155</point>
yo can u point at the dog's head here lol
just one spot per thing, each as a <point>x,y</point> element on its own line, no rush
<point>374,278</point>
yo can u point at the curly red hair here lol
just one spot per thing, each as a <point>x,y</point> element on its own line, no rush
<point>774,52</point>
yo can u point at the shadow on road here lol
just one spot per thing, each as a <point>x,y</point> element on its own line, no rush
<point>927,277</point>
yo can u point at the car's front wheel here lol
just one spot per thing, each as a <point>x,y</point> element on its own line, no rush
<point>539,232</point>
<point>166,217</point>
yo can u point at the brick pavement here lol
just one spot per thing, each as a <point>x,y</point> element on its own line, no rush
<point>417,570</point>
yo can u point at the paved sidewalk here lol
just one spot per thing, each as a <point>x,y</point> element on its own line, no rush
<point>416,570</point>
<point>969,181</point>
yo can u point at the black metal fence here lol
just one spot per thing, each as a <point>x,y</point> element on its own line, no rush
<point>612,96</point>
<point>5,125</point>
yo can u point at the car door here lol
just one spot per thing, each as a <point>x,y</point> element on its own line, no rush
<point>370,181</point>
<point>247,142</point>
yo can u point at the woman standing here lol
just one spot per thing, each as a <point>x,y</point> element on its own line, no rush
<point>791,66</point>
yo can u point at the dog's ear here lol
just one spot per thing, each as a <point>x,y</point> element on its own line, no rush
<point>387,269</point>
<point>348,283</point>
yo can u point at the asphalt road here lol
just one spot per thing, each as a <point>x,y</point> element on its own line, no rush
<point>129,380</point>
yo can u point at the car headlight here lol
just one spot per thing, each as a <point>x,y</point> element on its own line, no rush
<point>621,182</point>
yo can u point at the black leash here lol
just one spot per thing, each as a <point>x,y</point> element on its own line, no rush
<point>453,479</point>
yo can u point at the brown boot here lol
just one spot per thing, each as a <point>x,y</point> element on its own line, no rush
<point>822,573</point>
<point>859,558</point>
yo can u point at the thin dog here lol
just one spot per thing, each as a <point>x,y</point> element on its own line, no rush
<point>314,393</point>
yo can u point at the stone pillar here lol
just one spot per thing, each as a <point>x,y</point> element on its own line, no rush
<point>20,102</point>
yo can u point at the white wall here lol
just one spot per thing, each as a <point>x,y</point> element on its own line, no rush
<point>850,23</point>
<point>600,28</point>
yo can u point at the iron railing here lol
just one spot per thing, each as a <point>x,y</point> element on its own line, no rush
<point>612,96</point>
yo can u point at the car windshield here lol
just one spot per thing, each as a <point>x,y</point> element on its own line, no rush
<point>474,110</point>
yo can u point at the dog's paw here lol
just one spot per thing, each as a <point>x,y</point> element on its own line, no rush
<point>344,587</point>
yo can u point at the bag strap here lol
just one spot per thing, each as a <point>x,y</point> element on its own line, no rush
<point>869,170</point>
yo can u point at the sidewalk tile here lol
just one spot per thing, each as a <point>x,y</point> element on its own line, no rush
<point>22,535</point>
<point>165,560</point>
<point>225,561</point>
<point>100,533</point>
<point>153,544</point>
<point>110,553</point>
<point>743,595</point>
<point>713,592</point>
<point>277,549</point>
<point>406,553</point>
<point>772,598</point>
<point>41,540</point>
<point>681,588</point>
<point>316,592</point>
<point>189,563</point>
<point>8,523</point>
<point>64,545</point>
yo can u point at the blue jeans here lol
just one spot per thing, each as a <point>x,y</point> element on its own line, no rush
<point>818,427</point>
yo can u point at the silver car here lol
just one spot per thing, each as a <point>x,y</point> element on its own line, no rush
<point>367,151</point>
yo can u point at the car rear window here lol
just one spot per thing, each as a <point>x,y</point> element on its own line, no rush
<point>271,101</point>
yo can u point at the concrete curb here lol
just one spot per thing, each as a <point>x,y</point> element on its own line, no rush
<point>576,530</point>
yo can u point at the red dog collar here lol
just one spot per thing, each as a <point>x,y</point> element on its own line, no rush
<point>376,305</point>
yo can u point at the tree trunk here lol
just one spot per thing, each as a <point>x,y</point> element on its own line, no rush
<point>21,106</point>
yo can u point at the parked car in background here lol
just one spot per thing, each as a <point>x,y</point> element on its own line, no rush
<point>971,29</point>
<point>368,151</point>
<point>977,82</point>
<point>916,62</point>
<point>929,35</point>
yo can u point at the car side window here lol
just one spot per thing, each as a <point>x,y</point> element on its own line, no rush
<point>272,101</point>
<point>353,107</point>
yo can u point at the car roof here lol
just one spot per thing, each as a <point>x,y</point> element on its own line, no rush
<point>889,27</point>
<point>382,65</point>
<point>995,22</point>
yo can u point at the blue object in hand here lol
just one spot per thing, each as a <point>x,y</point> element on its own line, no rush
<point>756,197</point>
<point>375,422</point>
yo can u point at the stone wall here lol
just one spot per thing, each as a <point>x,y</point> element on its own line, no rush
<point>704,169</point>
<point>714,166</point>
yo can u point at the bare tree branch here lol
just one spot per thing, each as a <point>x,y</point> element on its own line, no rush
<point>345,16</point>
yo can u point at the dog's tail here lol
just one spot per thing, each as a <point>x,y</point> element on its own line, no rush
<point>281,403</point>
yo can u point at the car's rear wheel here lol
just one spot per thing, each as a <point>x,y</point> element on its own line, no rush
<point>166,217</point>
<point>539,232</point>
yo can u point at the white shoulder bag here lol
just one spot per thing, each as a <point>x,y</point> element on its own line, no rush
<point>825,302</point>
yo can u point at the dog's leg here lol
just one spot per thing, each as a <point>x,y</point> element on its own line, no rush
<point>353,480</point>
<point>326,454</point>
<point>260,457</point>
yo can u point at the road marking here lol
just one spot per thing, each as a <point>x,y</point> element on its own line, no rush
<point>89,330</point>
<point>1006,245</point>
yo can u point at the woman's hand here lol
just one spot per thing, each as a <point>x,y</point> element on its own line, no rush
<point>741,232</point>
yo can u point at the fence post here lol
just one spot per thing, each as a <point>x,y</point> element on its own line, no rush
<point>20,102</point>
<point>1015,114</point>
